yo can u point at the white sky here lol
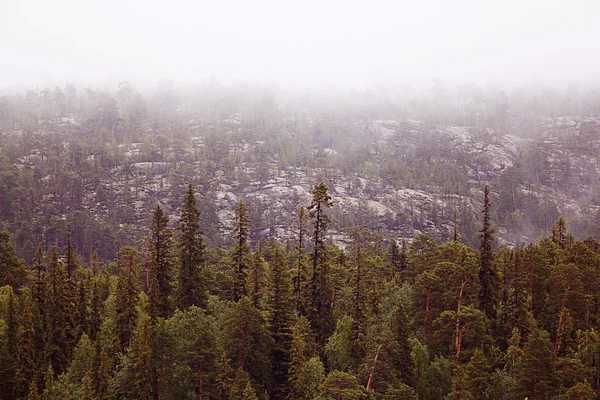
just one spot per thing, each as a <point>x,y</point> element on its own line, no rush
<point>299,42</point>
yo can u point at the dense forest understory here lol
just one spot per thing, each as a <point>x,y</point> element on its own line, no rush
<point>174,245</point>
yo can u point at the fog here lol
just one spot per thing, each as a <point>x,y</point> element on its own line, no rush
<point>299,43</point>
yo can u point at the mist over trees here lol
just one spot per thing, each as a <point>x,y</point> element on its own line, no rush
<point>247,242</point>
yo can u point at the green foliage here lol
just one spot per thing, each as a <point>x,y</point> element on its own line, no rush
<point>12,269</point>
<point>247,341</point>
<point>161,265</point>
<point>241,251</point>
<point>319,303</point>
<point>191,288</point>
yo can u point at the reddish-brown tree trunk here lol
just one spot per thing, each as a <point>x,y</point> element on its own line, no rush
<point>425,325</point>
<point>373,368</point>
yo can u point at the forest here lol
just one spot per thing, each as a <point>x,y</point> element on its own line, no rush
<point>311,200</point>
<point>243,242</point>
<point>174,318</point>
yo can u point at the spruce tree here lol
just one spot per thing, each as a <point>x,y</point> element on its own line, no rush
<point>256,280</point>
<point>241,251</point>
<point>487,274</point>
<point>26,346</point>
<point>535,373</point>
<point>247,341</point>
<point>59,314</point>
<point>160,266</point>
<point>141,351</point>
<point>191,288</point>
<point>81,311</point>
<point>127,296</point>
<point>319,307</point>
<point>280,306</point>
<point>299,278</point>
<point>12,268</point>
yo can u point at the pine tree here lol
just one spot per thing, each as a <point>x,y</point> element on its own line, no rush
<point>12,268</point>
<point>127,296</point>
<point>536,371</point>
<point>341,385</point>
<point>241,251</point>
<point>241,388</point>
<point>143,371</point>
<point>247,341</point>
<point>256,280</point>
<point>26,346</point>
<point>81,311</point>
<point>59,313</point>
<point>39,278</point>
<point>303,349</point>
<point>160,266</point>
<point>8,345</point>
<point>300,278</point>
<point>400,350</point>
<point>487,274</point>
<point>559,233</point>
<point>477,376</point>
<point>319,307</point>
<point>280,305</point>
<point>94,324</point>
<point>191,288</point>
<point>32,391</point>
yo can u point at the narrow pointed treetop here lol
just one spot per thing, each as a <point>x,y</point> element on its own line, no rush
<point>191,288</point>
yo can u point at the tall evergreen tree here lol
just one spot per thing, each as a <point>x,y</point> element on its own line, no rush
<point>127,296</point>
<point>319,307</point>
<point>81,317</point>
<point>160,266</point>
<point>12,268</point>
<point>299,278</point>
<point>191,288</point>
<point>487,274</point>
<point>143,371</point>
<point>241,251</point>
<point>280,306</point>
<point>26,346</point>
<point>247,341</point>
<point>59,313</point>
<point>536,372</point>
<point>256,280</point>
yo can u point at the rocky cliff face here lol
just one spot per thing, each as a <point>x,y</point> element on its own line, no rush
<point>396,177</point>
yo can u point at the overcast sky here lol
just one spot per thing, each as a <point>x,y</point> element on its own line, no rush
<point>299,42</point>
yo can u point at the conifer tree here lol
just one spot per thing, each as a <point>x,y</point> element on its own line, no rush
<point>160,266</point>
<point>39,279</point>
<point>559,233</point>
<point>256,280</point>
<point>26,346</point>
<point>247,341</point>
<point>303,349</point>
<point>399,350</point>
<point>299,279</point>
<point>59,313</point>
<point>280,305</point>
<point>143,371</point>
<point>127,296</point>
<point>81,312</point>
<point>191,288</point>
<point>8,344</point>
<point>241,388</point>
<point>94,322</point>
<point>487,274</point>
<point>319,307</point>
<point>12,268</point>
<point>536,373</point>
<point>241,251</point>
<point>32,391</point>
